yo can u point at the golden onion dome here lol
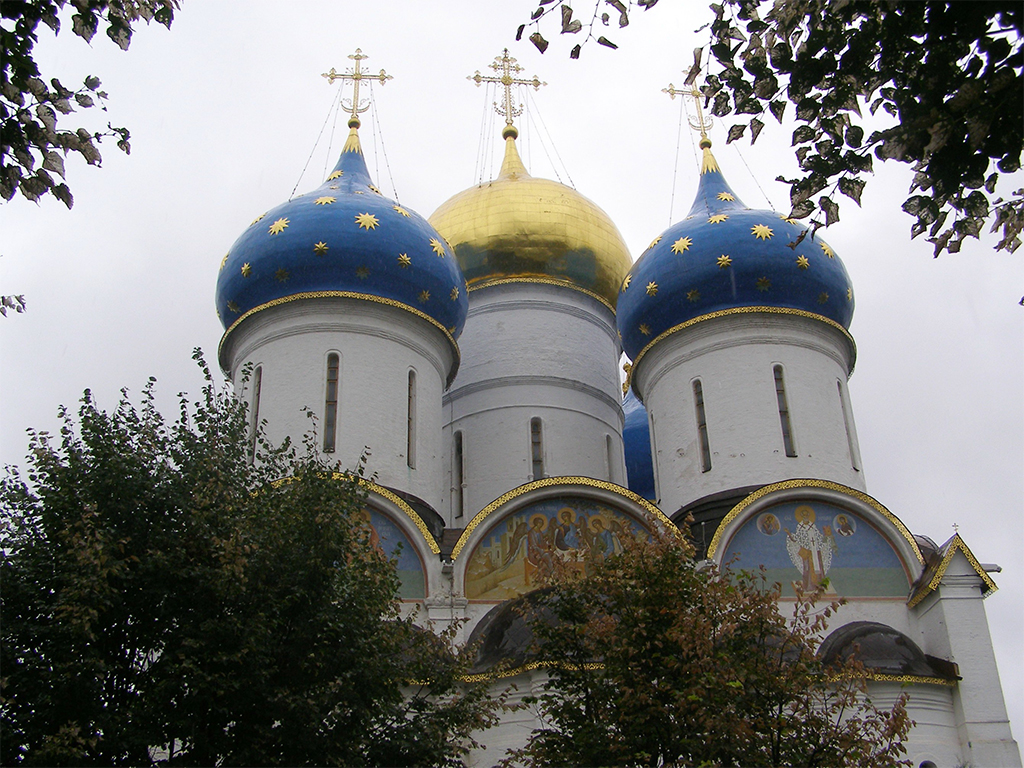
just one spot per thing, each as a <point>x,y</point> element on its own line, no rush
<point>518,228</point>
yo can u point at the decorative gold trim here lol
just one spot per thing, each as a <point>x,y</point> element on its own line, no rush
<point>399,502</point>
<point>745,311</point>
<point>484,677</point>
<point>543,281</point>
<point>955,544</point>
<point>917,679</point>
<point>828,485</point>
<point>548,482</point>
<point>347,295</point>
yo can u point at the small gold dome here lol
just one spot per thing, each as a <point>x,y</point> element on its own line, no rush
<point>519,227</point>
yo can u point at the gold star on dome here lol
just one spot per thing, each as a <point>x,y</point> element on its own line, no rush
<point>654,242</point>
<point>455,293</point>
<point>718,218</point>
<point>652,288</point>
<point>424,296</point>
<point>644,329</point>
<point>358,192</point>
<point>281,275</point>
<point>681,244</point>
<point>763,284</point>
<point>233,307</point>
<point>246,269</point>
<point>827,251</point>
<point>334,186</point>
<point>400,209</point>
<point>320,248</point>
<point>761,232</point>
<point>224,260</point>
<point>404,260</point>
<point>278,226</point>
<point>451,329</point>
<point>435,244</point>
<point>362,273</point>
<point>257,219</point>
<point>335,175</point>
<point>724,261</point>
<point>626,281</point>
<point>325,200</point>
<point>849,294</point>
<point>366,220</point>
<point>788,219</point>
<point>802,262</point>
<point>822,298</point>
<point>373,188</point>
<point>693,295</point>
<point>726,196</point>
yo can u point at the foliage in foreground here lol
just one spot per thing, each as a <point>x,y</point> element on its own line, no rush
<point>944,79</point>
<point>164,600</point>
<point>655,662</point>
<point>33,141</point>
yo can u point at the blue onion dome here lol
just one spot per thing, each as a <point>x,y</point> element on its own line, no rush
<point>726,257</point>
<point>636,440</point>
<point>343,239</point>
<point>518,228</point>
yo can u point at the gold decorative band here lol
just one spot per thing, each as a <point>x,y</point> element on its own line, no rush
<point>399,502</point>
<point>956,545</point>
<point>745,311</point>
<point>547,482</point>
<point>347,295</point>
<point>543,281</point>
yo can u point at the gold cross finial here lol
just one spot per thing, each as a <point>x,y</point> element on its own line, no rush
<point>703,122</point>
<point>956,528</point>
<point>506,68</point>
<point>355,74</point>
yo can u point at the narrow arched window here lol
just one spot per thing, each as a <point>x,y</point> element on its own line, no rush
<point>787,427</point>
<point>851,438</point>
<point>536,449</point>
<point>702,426</point>
<point>331,403</point>
<point>458,476</point>
<point>410,434</point>
<point>254,426</point>
<point>654,455</point>
<point>609,457</point>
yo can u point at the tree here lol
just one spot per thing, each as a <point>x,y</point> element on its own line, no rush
<point>169,600</point>
<point>943,81</point>
<point>32,144</point>
<point>655,661</point>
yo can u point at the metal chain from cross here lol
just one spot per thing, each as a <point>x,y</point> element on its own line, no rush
<point>356,75</point>
<point>507,68</point>
<point>703,123</point>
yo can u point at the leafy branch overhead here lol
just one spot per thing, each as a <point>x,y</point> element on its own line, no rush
<point>34,143</point>
<point>935,85</point>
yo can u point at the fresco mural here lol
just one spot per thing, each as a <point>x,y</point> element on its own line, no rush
<point>392,541</point>
<point>806,545</point>
<point>517,553</point>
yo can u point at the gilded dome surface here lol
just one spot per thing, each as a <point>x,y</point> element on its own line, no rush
<point>725,256</point>
<point>343,239</point>
<point>524,228</point>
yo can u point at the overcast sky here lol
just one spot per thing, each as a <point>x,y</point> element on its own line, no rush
<point>225,111</point>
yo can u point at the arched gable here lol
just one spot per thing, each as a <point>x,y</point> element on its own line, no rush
<point>515,541</point>
<point>809,532</point>
<point>401,534</point>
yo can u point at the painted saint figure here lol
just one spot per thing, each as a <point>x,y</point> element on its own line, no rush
<point>810,550</point>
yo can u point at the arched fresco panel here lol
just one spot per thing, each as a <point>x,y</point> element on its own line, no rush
<point>804,544</point>
<point>514,556</point>
<point>392,541</point>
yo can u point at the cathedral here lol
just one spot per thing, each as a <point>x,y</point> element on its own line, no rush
<point>475,357</point>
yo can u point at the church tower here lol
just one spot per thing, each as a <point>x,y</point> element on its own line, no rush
<point>345,306</point>
<point>538,394</point>
<point>736,322</point>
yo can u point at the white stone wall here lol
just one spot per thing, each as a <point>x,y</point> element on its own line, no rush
<point>378,345</point>
<point>533,351</point>
<point>734,357</point>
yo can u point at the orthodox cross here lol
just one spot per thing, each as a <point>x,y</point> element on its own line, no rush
<point>507,68</point>
<point>956,528</point>
<point>703,123</point>
<point>355,74</point>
